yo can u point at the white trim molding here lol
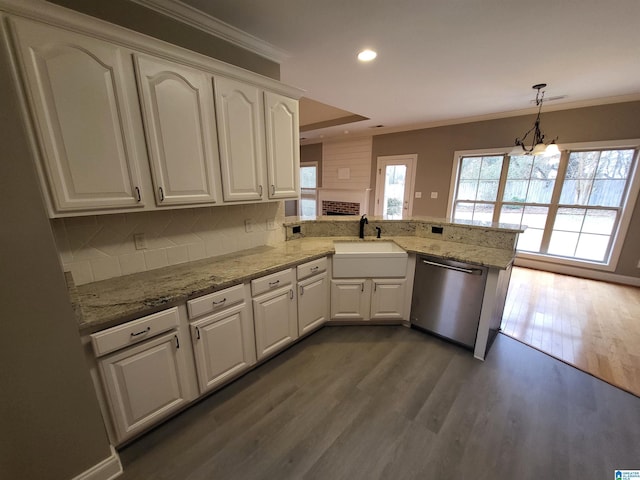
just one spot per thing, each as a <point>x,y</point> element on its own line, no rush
<point>576,271</point>
<point>108,469</point>
<point>193,17</point>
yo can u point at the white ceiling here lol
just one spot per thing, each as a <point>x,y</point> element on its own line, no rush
<point>440,61</point>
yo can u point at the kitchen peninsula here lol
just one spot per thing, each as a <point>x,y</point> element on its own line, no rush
<point>196,326</point>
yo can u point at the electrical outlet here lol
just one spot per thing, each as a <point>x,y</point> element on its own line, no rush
<point>248,225</point>
<point>271,224</point>
<point>418,195</point>
<point>434,195</point>
<point>140,241</point>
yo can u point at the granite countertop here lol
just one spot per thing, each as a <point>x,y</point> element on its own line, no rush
<point>107,303</point>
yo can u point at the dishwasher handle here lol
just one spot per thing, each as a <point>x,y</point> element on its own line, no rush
<point>470,271</point>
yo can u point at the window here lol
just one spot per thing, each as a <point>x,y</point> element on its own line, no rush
<point>308,189</point>
<point>572,203</point>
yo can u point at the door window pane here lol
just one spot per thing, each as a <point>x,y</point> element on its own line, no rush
<point>394,191</point>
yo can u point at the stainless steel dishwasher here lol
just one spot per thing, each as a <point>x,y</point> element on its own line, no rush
<point>447,298</point>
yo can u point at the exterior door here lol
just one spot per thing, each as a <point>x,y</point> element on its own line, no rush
<point>395,183</point>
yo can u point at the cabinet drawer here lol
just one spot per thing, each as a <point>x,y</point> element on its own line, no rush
<point>311,268</point>
<point>271,282</point>
<point>133,332</point>
<point>215,301</point>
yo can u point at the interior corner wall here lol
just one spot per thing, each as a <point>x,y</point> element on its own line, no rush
<point>436,146</point>
<point>141,19</point>
<point>50,423</point>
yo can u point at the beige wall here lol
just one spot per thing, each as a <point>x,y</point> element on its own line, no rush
<point>141,19</point>
<point>436,146</point>
<point>50,423</point>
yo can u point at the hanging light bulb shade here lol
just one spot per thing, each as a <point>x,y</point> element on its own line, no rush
<point>538,147</point>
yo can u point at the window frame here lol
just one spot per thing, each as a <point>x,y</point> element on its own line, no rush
<point>309,193</point>
<point>626,209</point>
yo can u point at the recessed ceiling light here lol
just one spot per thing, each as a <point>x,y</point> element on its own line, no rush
<point>367,55</point>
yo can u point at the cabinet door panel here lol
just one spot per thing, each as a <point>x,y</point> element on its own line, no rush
<point>144,383</point>
<point>81,92</point>
<point>350,299</point>
<point>387,299</point>
<point>313,303</point>
<point>275,317</point>
<point>181,131</point>
<point>240,130</point>
<point>224,346</point>
<point>283,146</point>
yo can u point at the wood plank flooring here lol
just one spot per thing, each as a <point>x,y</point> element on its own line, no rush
<point>590,324</point>
<point>388,402</point>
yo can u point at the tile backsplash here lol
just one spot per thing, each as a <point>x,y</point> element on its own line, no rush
<point>102,246</point>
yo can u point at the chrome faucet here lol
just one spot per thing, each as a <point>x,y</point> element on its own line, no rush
<point>363,220</point>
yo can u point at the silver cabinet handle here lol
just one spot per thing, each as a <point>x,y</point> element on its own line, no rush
<point>221,302</point>
<point>161,192</point>
<point>314,269</point>
<point>291,293</point>
<point>301,290</point>
<point>274,284</point>
<point>273,189</point>
<point>471,271</point>
<point>260,189</point>
<point>146,330</point>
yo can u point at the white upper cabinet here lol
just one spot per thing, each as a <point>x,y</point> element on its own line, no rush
<point>241,137</point>
<point>179,120</point>
<point>283,145</point>
<point>82,93</point>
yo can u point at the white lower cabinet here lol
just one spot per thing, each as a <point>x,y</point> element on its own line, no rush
<point>274,312</point>
<point>313,295</point>
<point>223,342</point>
<point>147,381</point>
<point>363,299</point>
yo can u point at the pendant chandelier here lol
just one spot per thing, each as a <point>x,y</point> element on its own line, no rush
<point>538,147</point>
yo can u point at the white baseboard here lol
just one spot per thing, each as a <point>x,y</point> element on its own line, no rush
<point>108,469</point>
<point>577,272</point>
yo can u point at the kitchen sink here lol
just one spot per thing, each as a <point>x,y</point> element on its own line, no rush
<point>368,259</point>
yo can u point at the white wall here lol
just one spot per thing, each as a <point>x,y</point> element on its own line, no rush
<point>354,155</point>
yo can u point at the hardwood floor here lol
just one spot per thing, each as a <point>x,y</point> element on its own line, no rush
<point>590,324</point>
<point>388,402</point>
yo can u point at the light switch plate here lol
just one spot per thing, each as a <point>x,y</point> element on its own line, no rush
<point>248,225</point>
<point>434,194</point>
<point>418,195</point>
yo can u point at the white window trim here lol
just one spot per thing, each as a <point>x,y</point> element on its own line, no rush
<point>623,226</point>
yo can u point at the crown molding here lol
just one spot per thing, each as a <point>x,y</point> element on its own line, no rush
<point>202,21</point>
